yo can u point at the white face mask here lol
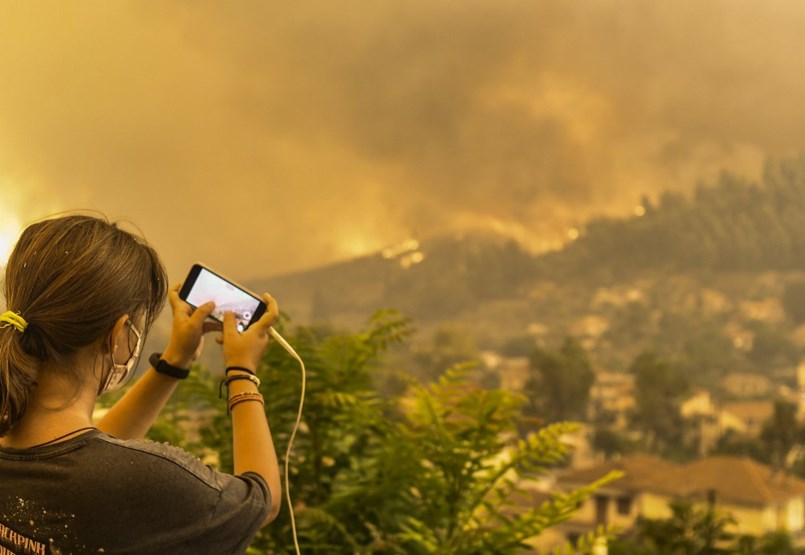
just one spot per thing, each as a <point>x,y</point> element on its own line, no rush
<point>120,373</point>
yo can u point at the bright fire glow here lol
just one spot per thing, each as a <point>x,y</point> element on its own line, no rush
<point>6,243</point>
<point>355,243</point>
<point>412,259</point>
<point>9,230</point>
<point>404,247</point>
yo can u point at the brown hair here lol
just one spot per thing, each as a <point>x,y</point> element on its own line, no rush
<point>70,278</point>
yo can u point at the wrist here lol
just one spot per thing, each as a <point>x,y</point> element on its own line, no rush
<point>244,365</point>
<point>239,383</point>
<point>240,398</point>
<point>162,366</point>
<point>175,358</point>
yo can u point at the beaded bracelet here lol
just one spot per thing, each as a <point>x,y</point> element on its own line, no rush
<point>242,398</point>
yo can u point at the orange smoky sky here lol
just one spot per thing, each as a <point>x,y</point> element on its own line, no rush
<point>265,136</point>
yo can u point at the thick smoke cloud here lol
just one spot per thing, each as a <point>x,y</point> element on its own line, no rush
<point>267,136</point>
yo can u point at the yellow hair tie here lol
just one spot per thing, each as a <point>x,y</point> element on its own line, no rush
<point>13,319</point>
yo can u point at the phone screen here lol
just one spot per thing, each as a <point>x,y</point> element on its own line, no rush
<point>227,297</point>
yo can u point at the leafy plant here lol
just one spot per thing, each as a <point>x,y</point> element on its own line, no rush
<point>438,468</point>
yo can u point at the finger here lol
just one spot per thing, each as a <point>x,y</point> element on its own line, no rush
<point>270,316</point>
<point>177,304</point>
<point>230,324</point>
<point>173,294</point>
<point>202,313</point>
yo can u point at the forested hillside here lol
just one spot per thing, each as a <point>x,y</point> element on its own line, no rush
<point>731,225</point>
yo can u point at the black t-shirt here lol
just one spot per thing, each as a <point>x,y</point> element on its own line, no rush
<point>98,494</point>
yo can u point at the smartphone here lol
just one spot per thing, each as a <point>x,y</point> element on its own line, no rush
<point>203,285</point>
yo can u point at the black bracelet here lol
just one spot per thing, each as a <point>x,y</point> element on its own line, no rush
<point>169,370</point>
<point>241,368</point>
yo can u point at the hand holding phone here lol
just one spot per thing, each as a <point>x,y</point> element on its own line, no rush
<point>236,310</point>
<point>245,349</point>
<point>203,285</point>
<point>189,326</point>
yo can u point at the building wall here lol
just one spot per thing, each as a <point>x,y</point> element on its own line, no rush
<point>749,520</point>
<point>794,520</point>
<point>655,506</point>
<point>788,516</point>
<point>621,509</point>
<point>609,507</point>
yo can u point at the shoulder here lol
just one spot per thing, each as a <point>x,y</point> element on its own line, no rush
<point>207,504</point>
<point>169,467</point>
<point>163,457</point>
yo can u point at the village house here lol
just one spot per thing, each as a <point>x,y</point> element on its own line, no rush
<point>746,418</point>
<point>746,385</point>
<point>612,395</point>
<point>760,499</point>
<point>513,372</point>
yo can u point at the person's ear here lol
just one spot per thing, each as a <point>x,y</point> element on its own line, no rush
<point>118,335</point>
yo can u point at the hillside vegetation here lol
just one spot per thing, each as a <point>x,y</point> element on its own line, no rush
<point>734,225</point>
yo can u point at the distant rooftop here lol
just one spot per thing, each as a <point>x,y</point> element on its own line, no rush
<point>738,480</point>
<point>756,411</point>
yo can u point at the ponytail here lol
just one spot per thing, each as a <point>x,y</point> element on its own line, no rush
<point>18,372</point>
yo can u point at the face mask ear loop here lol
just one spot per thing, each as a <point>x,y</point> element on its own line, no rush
<point>120,373</point>
<point>104,382</point>
<point>138,344</point>
<point>106,376</point>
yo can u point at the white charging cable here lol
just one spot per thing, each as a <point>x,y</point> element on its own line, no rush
<point>285,345</point>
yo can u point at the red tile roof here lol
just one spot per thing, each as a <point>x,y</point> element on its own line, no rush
<point>640,471</point>
<point>738,480</point>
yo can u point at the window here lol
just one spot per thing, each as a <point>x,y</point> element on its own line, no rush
<point>601,510</point>
<point>624,505</point>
